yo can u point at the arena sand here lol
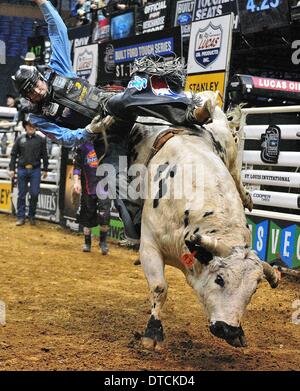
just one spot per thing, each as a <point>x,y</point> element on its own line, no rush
<point>68,310</point>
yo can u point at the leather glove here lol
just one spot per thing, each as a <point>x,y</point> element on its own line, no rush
<point>99,125</point>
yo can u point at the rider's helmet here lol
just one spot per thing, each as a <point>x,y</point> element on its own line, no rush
<point>26,78</point>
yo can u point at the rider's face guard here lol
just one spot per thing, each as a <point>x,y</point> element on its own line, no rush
<point>30,84</point>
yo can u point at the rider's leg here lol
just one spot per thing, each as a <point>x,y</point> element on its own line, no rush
<point>118,188</point>
<point>205,112</point>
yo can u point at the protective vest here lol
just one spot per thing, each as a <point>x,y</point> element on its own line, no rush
<point>72,102</point>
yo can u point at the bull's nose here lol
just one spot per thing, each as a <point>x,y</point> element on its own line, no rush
<point>233,335</point>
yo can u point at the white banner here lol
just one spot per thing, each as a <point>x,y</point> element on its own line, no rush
<point>286,159</point>
<point>210,45</point>
<point>271,178</point>
<point>86,62</point>
<point>277,199</point>
<point>288,132</point>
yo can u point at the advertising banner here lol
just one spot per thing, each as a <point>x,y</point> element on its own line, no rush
<point>206,9</point>
<point>86,62</point>
<point>47,206</point>
<point>5,196</point>
<point>70,208</point>
<point>80,36</point>
<point>184,16</point>
<point>116,57</point>
<point>210,45</point>
<point>155,16</point>
<point>276,239</point>
<point>205,82</point>
<point>101,32</point>
<point>36,45</point>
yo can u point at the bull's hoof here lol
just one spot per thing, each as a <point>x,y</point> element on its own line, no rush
<point>248,203</point>
<point>154,335</point>
<point>148,343</point>
<point>151,344</point>
<point>238,342</point>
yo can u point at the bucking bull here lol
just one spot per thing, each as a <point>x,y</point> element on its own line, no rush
<point>204,234</point>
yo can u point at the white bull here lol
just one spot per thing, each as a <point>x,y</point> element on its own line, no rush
<point>224,271</point>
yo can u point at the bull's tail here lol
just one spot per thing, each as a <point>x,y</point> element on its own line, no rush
<point>235,119</point>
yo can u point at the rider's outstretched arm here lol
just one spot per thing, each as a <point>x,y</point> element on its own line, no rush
<point>63,136</point>
<point>60,60</point>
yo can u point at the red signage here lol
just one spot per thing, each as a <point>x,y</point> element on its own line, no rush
<point>275,84</point>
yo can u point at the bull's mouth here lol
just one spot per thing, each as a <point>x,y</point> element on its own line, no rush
<point>234,336</point>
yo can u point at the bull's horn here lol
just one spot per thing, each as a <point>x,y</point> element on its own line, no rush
<point>212,245</point>
<point>271,275</point>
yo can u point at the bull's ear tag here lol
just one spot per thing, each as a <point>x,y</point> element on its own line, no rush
<point>188,259</point>
<point>277,271</point>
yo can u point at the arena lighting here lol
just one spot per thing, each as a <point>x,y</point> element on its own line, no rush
<point>249,87</point>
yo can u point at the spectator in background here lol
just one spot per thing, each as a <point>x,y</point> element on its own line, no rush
<point>116,6</point>
<point>92,211</point>
<point>3,144</point>
<point>82,10</point>
<point>10,101</point>
<point>29,148</point>
<point>29,59</point>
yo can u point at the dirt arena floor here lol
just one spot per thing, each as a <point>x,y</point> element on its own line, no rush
<point>66,310</point>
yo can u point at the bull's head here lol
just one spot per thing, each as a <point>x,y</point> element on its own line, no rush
<point>225,284</point>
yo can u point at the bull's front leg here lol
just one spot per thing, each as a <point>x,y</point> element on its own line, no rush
<point>236,175</point>
<point>153,265</point>
<point>244,194</point>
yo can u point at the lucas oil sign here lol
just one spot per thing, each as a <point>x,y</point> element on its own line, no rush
<point>210,44</point>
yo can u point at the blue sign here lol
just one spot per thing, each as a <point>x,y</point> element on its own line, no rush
<point>261,239</point>
<point>161,47</point>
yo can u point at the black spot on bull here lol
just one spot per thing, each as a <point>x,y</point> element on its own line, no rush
<point>173,171</point>
<point>202,255</point>
<point>186,218</point>
<point>161,192</point>
<point>206,214</point>
<point>221,151</point>
<point>133,155</point>
<point>161,168</point>
<point>159,290</point>
<point>135,138</point>
<point>154,330</point>
<point>163,181</point>
<point>213,231</point>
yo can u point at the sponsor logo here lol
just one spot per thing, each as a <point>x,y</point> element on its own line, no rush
<point>91,159</point>
<point>138,83</point>
<point>161,88</point>
<point>276,239</point>
<point>184,19</point>
<point>84,64</point>
<point>208,45</point>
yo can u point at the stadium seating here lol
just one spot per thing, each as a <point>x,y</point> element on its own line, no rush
<point>14,31</point>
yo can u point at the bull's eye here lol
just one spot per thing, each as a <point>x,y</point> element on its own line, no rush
<point>219,280</point>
